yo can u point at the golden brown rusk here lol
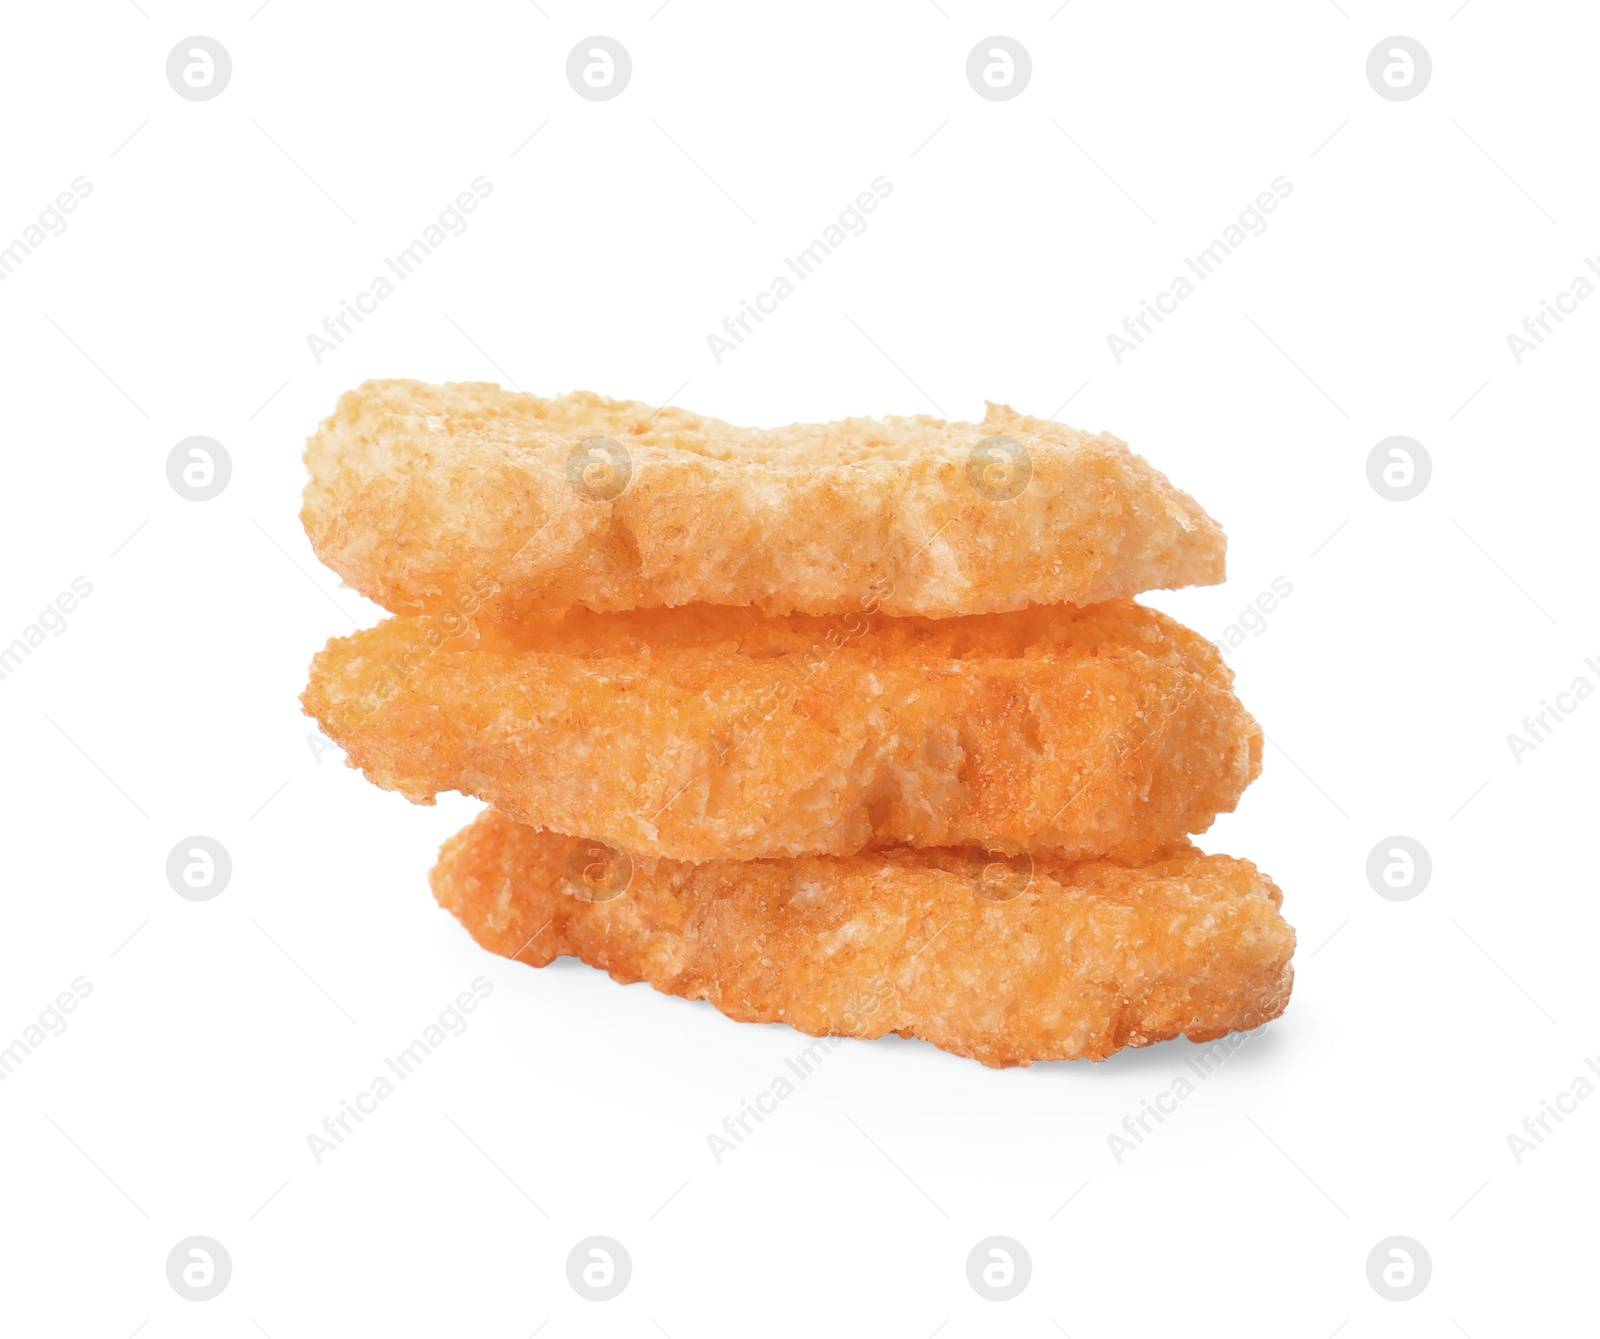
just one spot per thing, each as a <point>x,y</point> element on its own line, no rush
<point>712,733</point>
<point>1053,961</point>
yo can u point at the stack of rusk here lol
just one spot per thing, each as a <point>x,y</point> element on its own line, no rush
<point>850,726</point>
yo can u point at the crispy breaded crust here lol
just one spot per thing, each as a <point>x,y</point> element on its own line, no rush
<point>418,492</point>
<point>708,733</point>
<point>1089,959</point>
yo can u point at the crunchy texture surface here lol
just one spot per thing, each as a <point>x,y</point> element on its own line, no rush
<point>419,491</point>
<point>708,733</point>
<point>1090,958</point>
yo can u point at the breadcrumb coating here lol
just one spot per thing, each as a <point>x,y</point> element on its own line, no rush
<point>1086,959</point>
<point>418,492</point>
<point>706,733</point>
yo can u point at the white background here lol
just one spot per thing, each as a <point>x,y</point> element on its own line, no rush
<point>1418,634</point>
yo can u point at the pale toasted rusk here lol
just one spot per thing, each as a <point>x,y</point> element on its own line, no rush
<point>423,495</point>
